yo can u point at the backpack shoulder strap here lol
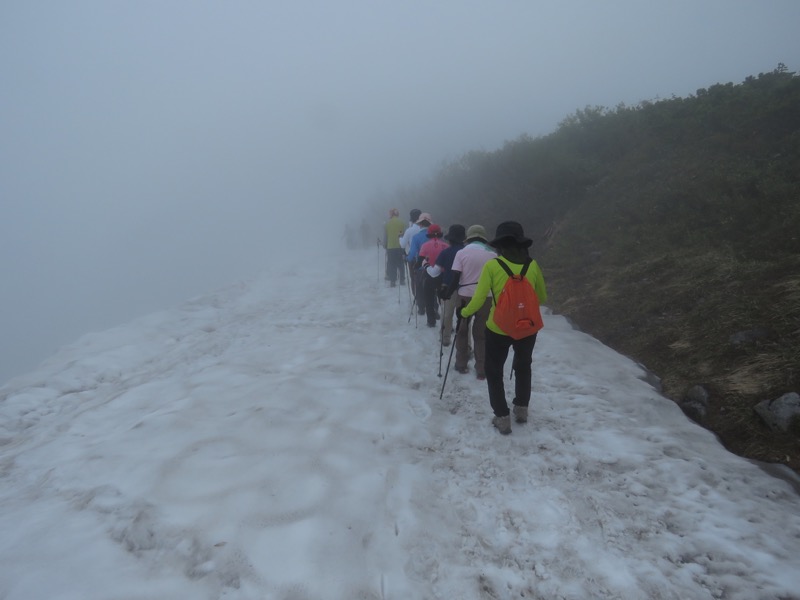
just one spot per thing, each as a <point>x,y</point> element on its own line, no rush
<point>508,271</point>
<point>505,267</point>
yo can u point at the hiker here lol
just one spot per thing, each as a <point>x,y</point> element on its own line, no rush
<point>411,230</point>
<point>392,231</point>
<point>419,238</point>
<point>512,246</point>
<point>428,254</point>
<point>350,237</point>
<point>467,266</point>
<point>366,235</point>
<point>455,237</point>
<point>405,240</point>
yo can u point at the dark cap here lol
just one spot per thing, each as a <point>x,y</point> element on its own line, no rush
<point>456,234</point>
<point>510,233</point>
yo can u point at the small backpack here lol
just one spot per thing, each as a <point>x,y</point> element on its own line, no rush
<point>516,310</point>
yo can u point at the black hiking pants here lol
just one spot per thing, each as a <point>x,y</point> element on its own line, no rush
<point>430,299</point>
<point>497,347</point>
<point>394,265</point>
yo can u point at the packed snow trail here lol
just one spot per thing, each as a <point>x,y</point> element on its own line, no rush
<point>284,439</point>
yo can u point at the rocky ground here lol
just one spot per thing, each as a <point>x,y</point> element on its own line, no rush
<point>699,320</point>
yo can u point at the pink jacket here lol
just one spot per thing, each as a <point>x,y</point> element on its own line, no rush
<point>430,250</point>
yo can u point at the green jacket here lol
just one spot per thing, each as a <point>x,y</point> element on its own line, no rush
<point>393,229</point>
<point>493,278</point>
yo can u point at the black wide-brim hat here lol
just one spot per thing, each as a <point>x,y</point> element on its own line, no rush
<point>510,231</point>
<point>456,234</point>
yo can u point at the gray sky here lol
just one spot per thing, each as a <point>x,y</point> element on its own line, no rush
<point>151,151</point>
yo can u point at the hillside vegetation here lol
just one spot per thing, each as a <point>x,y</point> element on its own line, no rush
<point>668,230</point>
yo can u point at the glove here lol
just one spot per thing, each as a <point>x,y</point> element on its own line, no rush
<point>444,293</point>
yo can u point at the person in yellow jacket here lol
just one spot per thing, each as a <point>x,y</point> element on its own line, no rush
<point>512,246</point>
<point>392,231</point>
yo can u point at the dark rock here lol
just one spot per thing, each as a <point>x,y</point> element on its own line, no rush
<point>695,403</point>
<point>697,393</point>
<point>780,413</point>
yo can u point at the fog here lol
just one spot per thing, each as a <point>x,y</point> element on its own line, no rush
<point>152,151</point>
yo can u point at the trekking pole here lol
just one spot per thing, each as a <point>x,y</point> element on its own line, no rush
<point>408,283</point>
<point>458,324</point>
<point>416,294</point>
<point>441,336</point>
<point>378,248</point>
<point>408,280</point>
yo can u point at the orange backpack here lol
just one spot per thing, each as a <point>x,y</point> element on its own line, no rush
<point>516,310</point>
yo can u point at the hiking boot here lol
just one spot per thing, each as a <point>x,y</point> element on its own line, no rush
<point>462,369</point>
<point>480,377</point>
<point>445,342</point>
<point>520,414</point>
<point>503,424</point>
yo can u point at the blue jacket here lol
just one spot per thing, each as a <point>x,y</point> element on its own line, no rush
<point>416,243</point>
